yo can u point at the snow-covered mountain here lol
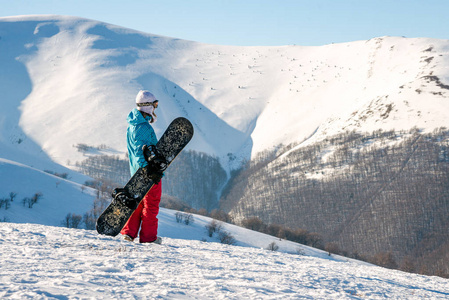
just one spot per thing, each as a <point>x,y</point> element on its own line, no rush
<point>67,81</point>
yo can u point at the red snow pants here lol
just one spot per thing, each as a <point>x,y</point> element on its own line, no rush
<point>145,216</point>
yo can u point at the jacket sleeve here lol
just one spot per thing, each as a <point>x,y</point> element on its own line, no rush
<point>144,135</point>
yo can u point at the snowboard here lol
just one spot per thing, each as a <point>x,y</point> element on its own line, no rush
<point>159,157</point>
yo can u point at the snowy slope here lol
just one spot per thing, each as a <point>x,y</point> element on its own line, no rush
<point>76,263</point>
<point>63,263</point>
<point>67,81</point>
<point>59,196</point>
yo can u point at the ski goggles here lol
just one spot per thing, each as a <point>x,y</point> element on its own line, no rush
<point>147,103</point>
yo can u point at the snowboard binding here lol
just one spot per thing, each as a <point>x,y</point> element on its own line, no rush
<point>157,163</point>
<point>122,196</point>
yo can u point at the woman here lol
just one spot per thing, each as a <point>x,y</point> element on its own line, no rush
<point>139,133</point>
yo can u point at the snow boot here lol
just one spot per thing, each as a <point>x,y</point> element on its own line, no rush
<point>158,241</point>
<point>127,238</point>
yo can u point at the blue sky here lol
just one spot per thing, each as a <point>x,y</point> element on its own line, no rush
<point>257,22</point>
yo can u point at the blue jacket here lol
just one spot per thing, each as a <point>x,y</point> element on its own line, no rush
<point>139,133</point>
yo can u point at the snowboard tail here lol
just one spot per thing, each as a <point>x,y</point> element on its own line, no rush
<point>159,157</point>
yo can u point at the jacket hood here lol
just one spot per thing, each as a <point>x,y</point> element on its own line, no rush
<point>135,117</point>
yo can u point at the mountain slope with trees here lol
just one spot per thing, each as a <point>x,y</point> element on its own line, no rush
<point>383,192</point>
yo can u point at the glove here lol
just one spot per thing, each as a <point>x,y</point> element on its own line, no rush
<point>153,174</point>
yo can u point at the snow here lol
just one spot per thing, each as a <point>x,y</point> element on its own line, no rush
<point>63,263</point>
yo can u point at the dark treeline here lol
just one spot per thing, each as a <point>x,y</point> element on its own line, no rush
<point>106,167</point>
<point>194,178</point>
<point>370,194</point>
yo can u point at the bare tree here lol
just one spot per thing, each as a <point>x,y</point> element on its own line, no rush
<point>226,238</point>
<point>213,227</point>
<point>273,246</point>
<point>72,220</point>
